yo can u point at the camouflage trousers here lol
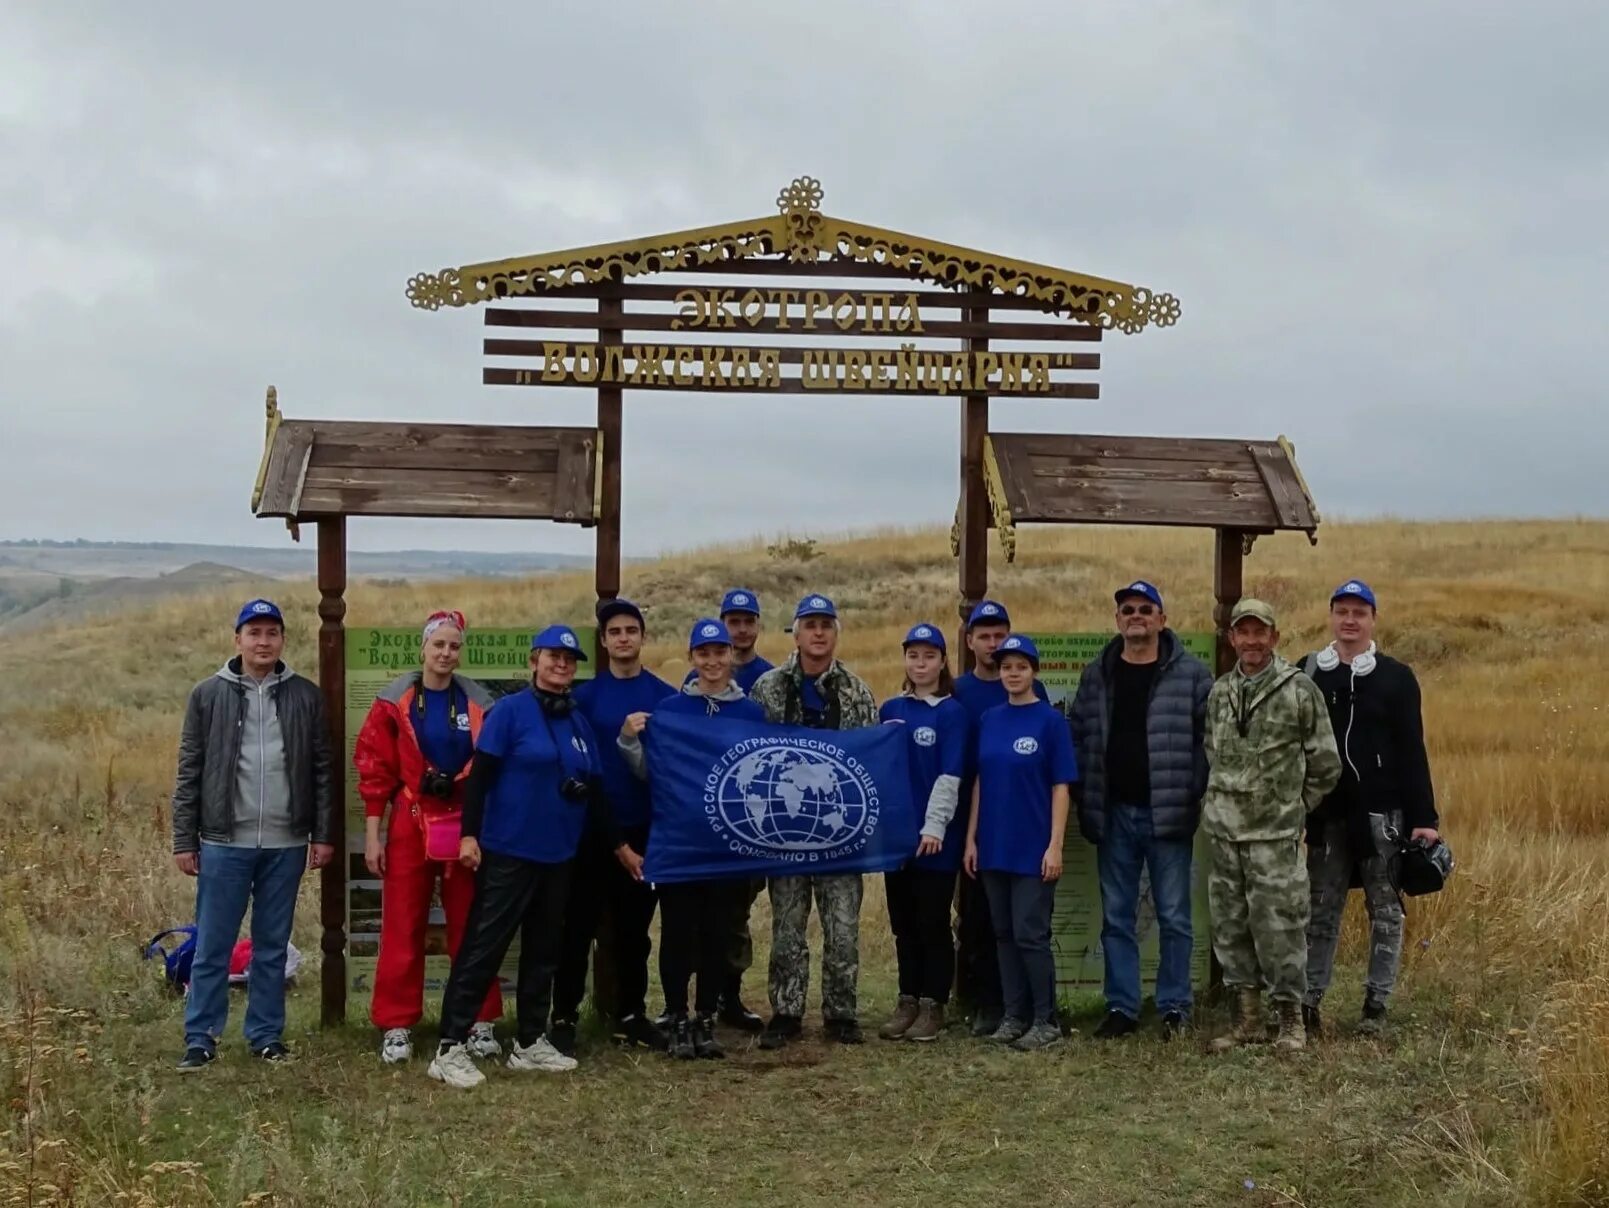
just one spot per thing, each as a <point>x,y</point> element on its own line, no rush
<point>837,897</point>
<point>1258,895</point>
<point>1330,860</point>
<point>739,943</point>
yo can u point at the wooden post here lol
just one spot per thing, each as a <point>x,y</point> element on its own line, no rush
<point>974,560</point>
<point>1226,591</point>
<point>332,682</point>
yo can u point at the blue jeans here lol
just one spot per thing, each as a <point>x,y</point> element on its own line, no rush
<point>1128,844</point>
<point>229,878</point>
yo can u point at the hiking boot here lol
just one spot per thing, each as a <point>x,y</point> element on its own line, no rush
<point>195,1058</point>
<point>929,1021</point>
<point>704,1042</point>
<point>1292,1037</point>
<point>682,1044</point>
<point>396,1046</point>
<point>780,1030</point>
<point>1312,1021</point>
<point>1373,1022</point>
<point>482,1042</point>
<point>664,1019</point>
<point>1174,1024</point>
<point>844,1031</point>
<point>732,1011</point>
<point>1248,1027</point>
<point>1116,1024</point>
<point>986,1023</point>
<point>636,1031</point>
<point>538,1055</point>
<point>274,1052</point>
<point>1040,1036</point>
<point>454,1066</point>
<point>901,1020</point>
<point>562,1036</point>
<point>1009,1030</point>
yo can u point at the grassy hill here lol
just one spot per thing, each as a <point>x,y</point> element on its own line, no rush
<point>1492,1089</point>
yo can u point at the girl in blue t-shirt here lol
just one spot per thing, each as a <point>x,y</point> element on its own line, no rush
<point>1026,768</point>
<point>937,730</point>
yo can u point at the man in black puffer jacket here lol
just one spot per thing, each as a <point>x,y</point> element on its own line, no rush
<point>1374,710</point>
<point>1139,721</point>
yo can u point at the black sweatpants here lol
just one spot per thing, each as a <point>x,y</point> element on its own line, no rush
<point>980,959</point>
<point>919,914</point>
<point>694,928</point>
<point>512,897</point>
<point>601,886</point>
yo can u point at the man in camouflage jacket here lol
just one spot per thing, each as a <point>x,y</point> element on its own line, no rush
<point>814,689</point>
<point>1272,759</point>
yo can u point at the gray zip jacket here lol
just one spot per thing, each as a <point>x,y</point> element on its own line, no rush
<point>254,763</point>
<point>631,747</point>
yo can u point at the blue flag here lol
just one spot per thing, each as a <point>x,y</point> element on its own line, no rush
<point>746,799</point>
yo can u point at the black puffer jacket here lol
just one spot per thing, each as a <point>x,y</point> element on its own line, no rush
<point>1175,726</point>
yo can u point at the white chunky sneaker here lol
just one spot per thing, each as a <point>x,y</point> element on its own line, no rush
<point>538,1055</point>
<point>483,1042</point>
<point>396,1047</point>
<point>456,1068</point>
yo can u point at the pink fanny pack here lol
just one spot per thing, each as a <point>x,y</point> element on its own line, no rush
<point>442,831</point>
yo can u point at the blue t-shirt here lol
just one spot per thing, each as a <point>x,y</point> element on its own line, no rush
<point>1023,751</point>
<point>606,700</point>
<point>443,731</point>
<point>525,816</point>
<point>743,676</point>
<point>936,737</point>
<point>979,696</point>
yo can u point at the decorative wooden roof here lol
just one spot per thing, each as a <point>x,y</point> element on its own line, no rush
<point>798,235</point>
<point>314,468</point>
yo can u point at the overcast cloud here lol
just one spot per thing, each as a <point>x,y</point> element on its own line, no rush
<point>1385,223</point>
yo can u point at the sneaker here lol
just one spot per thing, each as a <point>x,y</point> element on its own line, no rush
<point>905,1012</point>
<point>929,1021</point>
<point>538,1055</point>
<point>704,1042</point>
<point>735,1015</point>
<point>986,1023</point>
<point>195,1058</point>
<point>273,1052</point>
<point>1373,1022</point>
<point>1040,1036</point>
<point>682,1044</point>
<point>844,1031</point>
<point>482,1042</point>
<point>1009,1030</point>
<point>561,1036</point>
<point>396,1046</point>
<point>780,1030</point>
<point>453,1065</point>
<point>637,1031</point>
<point>1312,1021</point>
<point>1174,1024</point>
<point>1116,1024</point>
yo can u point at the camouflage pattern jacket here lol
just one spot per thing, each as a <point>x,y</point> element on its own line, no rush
<point>1271,754</point>
<point>850,703</point>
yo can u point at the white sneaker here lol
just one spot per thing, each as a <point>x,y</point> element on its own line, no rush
<point>396,1047</point>
<point>482,1041</point>
<point>538,1055</point>
<point>456,1068</point>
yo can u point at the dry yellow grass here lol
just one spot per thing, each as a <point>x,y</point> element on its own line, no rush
<point>1506,622</point>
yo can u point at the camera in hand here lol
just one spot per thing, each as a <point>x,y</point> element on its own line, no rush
<point>575,790</point>
<point>435,783</point>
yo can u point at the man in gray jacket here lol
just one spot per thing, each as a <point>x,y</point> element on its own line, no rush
<point>1139,721</point>
<point>253,788</point>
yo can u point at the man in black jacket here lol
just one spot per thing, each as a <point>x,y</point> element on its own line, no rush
<point>1385,783</point>
<point>252,807</point>
<point>1139,721</point>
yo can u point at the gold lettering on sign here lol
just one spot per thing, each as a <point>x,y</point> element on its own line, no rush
<point>710,309</point>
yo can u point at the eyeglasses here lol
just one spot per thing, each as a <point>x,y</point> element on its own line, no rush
<point>1129,610</point>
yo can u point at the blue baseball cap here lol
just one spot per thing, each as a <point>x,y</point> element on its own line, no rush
<point>1139,588</point>
<point>258,610</point>
<point>559,637</point>
<point>1016,643</point>
<point>923,634</point>
<point>1356,588</point>
<point>815,606</point>
<point>707,631</point>
<point>619,607</point>
<point>988,612</point>
<point>740,599</point>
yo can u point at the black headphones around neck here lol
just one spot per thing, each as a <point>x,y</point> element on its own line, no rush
<point>554,704</point>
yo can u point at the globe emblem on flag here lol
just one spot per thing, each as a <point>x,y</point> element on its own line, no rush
<point>787,799</point>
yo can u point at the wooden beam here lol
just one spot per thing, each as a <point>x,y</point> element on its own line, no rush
<point>1226,590</point>
<point>606,569</point>
<point>974,560</point>
<point>332,682</point>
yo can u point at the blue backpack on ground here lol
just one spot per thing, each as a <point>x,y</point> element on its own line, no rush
<point>176,959</point>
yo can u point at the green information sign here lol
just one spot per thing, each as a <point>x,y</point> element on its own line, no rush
<point>1075,931</point>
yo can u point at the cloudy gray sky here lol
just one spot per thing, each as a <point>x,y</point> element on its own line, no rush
<point>1385,222</point>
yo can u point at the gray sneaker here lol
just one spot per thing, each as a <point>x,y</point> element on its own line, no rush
<point>1040,1036</point>
<point>1009,1030</point>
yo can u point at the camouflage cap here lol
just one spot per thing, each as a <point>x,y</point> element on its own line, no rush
<point>1250,607</point>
